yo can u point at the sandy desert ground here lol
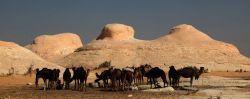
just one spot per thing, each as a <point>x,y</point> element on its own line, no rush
<point>213,85</point>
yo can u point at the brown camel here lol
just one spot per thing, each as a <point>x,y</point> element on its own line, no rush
<point>66,78</point>
<point>138,76</point>
<point>116,75</point>
<point>173,76</point>
<point>127,77</point>
<point>190,72</point>
<point>75,77</point>
<point>144,69</point>
<point>80,77</point>
<point>155,73</point>
<point>104,76</point>
<point>83,78</point>
<point>49,77</point>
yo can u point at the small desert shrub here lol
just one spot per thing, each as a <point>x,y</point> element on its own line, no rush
<point>239,70</point>
<point>106,64</point>
<point>29,70</point>
<point>11,71</point>
<point>79,49</point>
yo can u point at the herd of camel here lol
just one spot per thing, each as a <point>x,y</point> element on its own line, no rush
<point>120,79</point>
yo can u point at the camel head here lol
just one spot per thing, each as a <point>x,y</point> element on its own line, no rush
<point>37,70</point>
<point>201,69</point>
<point>172,67</point>
<point>198,73</point>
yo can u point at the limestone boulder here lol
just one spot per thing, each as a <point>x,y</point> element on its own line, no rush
<point>116,31</point>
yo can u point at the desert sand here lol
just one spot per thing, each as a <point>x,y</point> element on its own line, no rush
<point>211,85</point>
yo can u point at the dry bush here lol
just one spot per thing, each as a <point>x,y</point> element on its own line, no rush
<point>29,70</point>
<point>11,71</point>
<point>106,64</point>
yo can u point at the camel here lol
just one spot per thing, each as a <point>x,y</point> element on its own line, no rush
<point>173,76</point>
<point>138,76</point>
<point>105,76</point>
<point>55,77</point>
<point>115,78</point>
<point>49,77</point>
<point>144,69</point>
<point>127,77</point>
<point>45,75</point>
<point>83,74</point>
<point>155,73</point>
<point>190,72</point>
<point>80,77</point>
<point>66,78</point>
<point>75,77</point>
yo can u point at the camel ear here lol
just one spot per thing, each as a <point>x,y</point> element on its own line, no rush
<point>37,70</point>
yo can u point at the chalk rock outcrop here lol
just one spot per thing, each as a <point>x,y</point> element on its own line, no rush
<point>53,47</point>
<point>185,33</point>
<point>116,31</point>
<point>184,45</point>
<point>16,59</point>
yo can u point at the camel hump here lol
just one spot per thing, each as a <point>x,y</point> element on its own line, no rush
<point>129,69</point>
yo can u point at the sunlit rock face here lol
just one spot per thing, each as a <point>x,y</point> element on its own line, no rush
<point>16,59</point>
<point>116,31</point>
<point>53,47</point>
<point>184,45</point>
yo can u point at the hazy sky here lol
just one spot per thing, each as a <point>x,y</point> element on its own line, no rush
<point>224,20</point>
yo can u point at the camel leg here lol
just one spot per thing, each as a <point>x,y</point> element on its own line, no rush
<point>191,81</point>
<point>154,82</point>
<point>170,81</point>
<point>75,84</point>
<point>119,84</point>
<point>175,82</point>
<point>150,82</point>
<point>78,85</point>
<point>107,84</point>
<point>113,84</point>
<point>66,84</point>
<point>137,81</point>
<point>134,80</point>
<point>45,84</point>
<point>85,83</point>
<point>141,80</point>
<point>104,83</point>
